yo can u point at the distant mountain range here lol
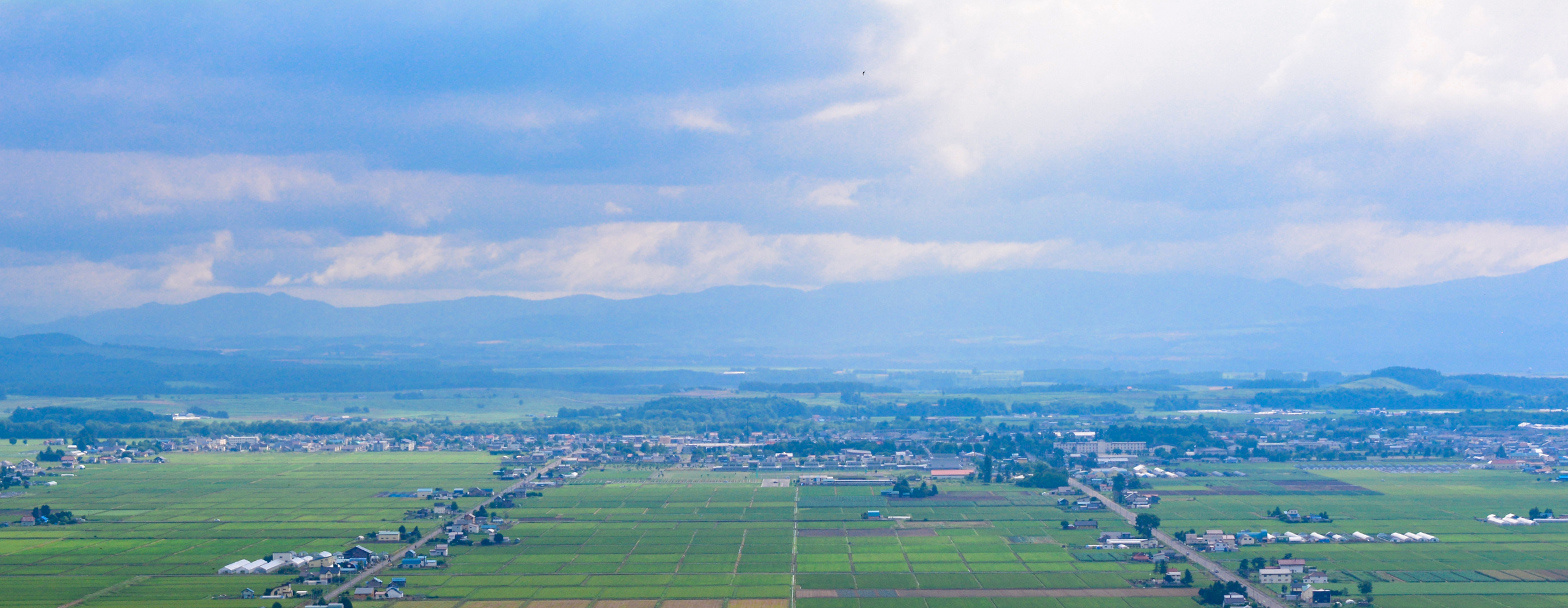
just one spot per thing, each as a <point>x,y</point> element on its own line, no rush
<point>1013,320</point>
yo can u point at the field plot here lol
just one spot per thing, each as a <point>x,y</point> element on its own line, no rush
<point>628,534</point>
<point>621,537</point>
<point>157,534</point>
<point>1509,566</point>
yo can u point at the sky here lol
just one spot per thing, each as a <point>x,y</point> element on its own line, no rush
<point>367,153</point>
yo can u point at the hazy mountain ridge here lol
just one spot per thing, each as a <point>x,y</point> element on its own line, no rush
<point>1005,319</point>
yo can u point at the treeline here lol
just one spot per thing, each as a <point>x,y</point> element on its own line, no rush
<point>1175,403</point>
<point>1157,434</point>
<point>64,366</point>
<point>969,407</point>
<point>1392,399</point>
<point>1276,383</point>
<point>816,388</point>
<point>699,410</point>
<point>1465,419</point>
<point>1433,380</point>
<point>757,409</point>
<point>77,415</point>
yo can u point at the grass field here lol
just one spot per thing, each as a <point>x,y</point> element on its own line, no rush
<point>627,537</point>
<point>177,523</point>
<point>694,539</point>
<point>1509,566</point>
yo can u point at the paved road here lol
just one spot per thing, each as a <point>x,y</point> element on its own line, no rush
<point>414,546</point>
<point>1193,555</point>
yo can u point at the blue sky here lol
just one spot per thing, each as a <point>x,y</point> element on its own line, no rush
<point>364,153</point>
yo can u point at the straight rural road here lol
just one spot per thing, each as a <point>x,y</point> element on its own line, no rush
<point>1257,594</point>
<point>414,546</point>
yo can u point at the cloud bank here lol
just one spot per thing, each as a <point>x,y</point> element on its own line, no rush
<point>371,156</point>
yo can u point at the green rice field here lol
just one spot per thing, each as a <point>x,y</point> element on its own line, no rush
<point>1475,564</point>
<point>628,537</point>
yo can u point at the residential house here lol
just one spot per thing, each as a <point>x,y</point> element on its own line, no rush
<point>385,536</point>
<point>358,552</point>
<point>320,559</point>
<point>1273,576</point>
<point>416,561</point>
<point>1217,540</point>
<point>1297,566</point>
<point>440,550</point>
<point>1088,504</point>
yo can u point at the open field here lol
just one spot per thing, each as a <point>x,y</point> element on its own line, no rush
<point>1512,566</point>
<point>175,524</point>
<point>157,533</point>
<point>695,535</point>
<point>512,404</point>
<point>639,537</point>
<point>461,405</point>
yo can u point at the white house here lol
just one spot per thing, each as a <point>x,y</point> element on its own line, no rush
<point>1271,576</point>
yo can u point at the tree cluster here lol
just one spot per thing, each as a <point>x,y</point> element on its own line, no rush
<point>1215,594</point>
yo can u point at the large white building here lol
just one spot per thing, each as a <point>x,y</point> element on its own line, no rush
<point>1103,447</point>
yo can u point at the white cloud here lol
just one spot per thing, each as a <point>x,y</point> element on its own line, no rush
<point>107,186</point>
<point>195,273</point>
<point>1010,84</point>
<point>836,194</point>
<point>87,188</point>
<point>628,259</point>
<point>1368,253</point>
<point>639,258</point>
<point>390,257</point>
<point>610,208</point>
<point>701,120</point>
<point>840,111</point>
<point>45,287</point>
